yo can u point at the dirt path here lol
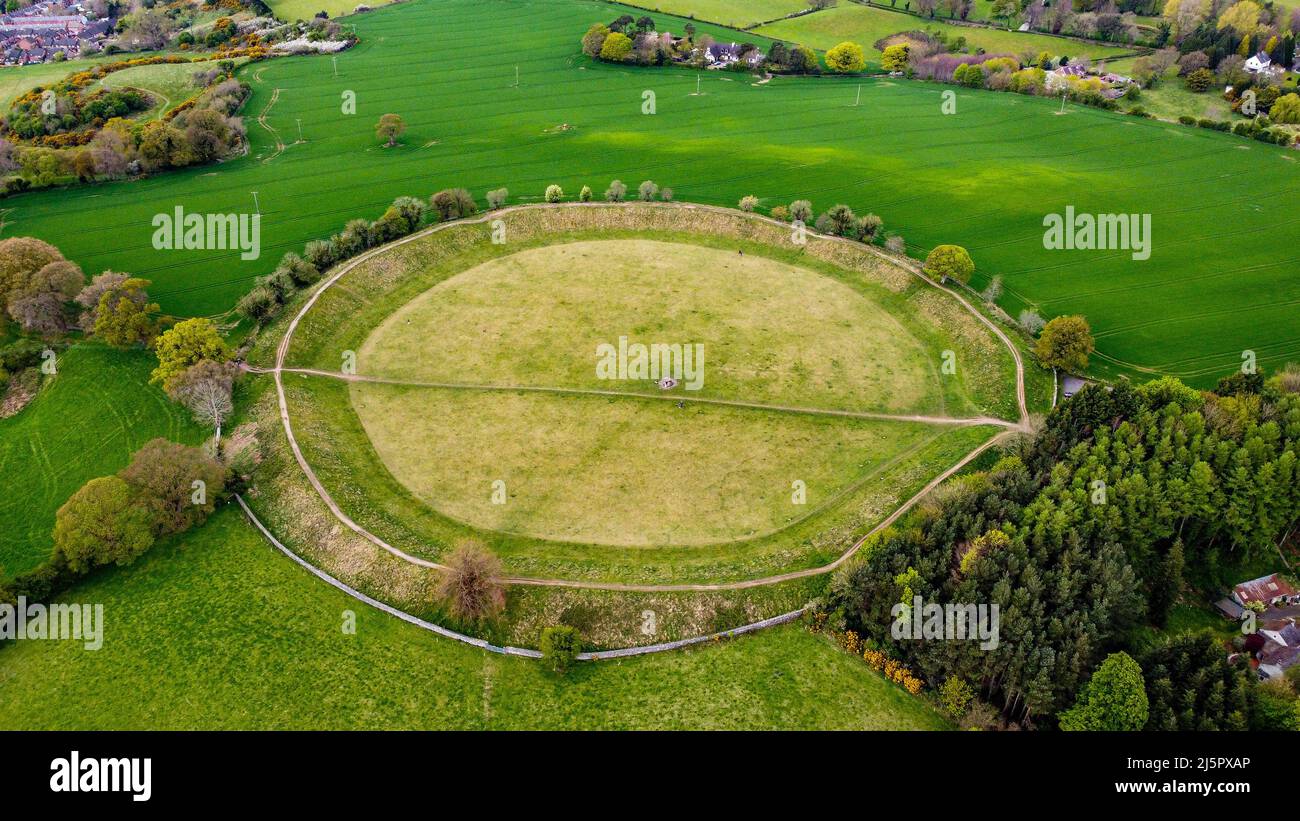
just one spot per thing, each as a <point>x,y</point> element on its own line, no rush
<point>958,421</point>
<point>282,352</point>
<point>261,120</point>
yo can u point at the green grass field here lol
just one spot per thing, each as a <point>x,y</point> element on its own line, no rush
<point>86,422</point>
<point>220,631</point>
<point>866,25</point>
<point>771,332</point>
<point>291,10</point>
<point>983,178</point>
<point>618,471</point>
<point>738,13</point>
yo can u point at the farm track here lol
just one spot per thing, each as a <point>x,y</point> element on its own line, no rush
<point>262,121</point>
<point>282,352</point>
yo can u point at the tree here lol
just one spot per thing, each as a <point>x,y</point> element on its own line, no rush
<point>949,261</point>
<point>124,315</point>
<point>1065,343</point>
<point>748,203</point>
<point>1200,80</point>
<point>846,58</point>
<point>470,585</point>
<point>554,193</point>
<point>40,313</point>
<point>497,197</point>
<point>839,220</point>
<point>205,389</point>
<point>453,204</point>
<point>1191,686</point>
<point>585,194</point>
<point>20,260</point>
<point>616,191</point>
<point>1168,586</point>
<point>176,484</point>
<point>1114,699</point>
<point>560,646</point>
<point>1242,18</point>
<point>895,57</point>
<point>955,696</point>
<point>616,48</point>
<point>594,39</point>
<point>1286,109</point>
<point>1031,321</point>
<point>1004,10</point>
<point>647,191</point>
<point>186,344</point>
<point>801,210</point>
<point>83,165</point>
<point>100,524</point>
<point>389,128</point>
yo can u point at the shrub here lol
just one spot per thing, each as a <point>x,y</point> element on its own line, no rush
<point>748,203</point>
<point>993,290</point>
<point>497,198</point>
<point>585,194</point>
<point>781,213</point>
<point>896,244</point>
<point>666,195</point>
<point>452,204</point>
<point>1186,119</point>
<point>258,304</point>
<point>1031,321</point>
<point>554,193</point>
<point>841,221</point>
<point>647,191</point>
<point>299,270</point>
<point>560,647</point>
<point>319,253</point>
<point>869,226</point>
<point>1200,80</point>
<point>616,48</point>
<point>470,586</point>
<point>616,191</point>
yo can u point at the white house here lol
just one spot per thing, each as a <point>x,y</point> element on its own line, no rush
<point>1260,62</point>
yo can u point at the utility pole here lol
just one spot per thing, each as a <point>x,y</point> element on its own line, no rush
<point>334,58</point>
<point>256,206</point>
<point>858,99</point>
<point>1063,96</point>
<point>516,85</point>
<point>299,121</point>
